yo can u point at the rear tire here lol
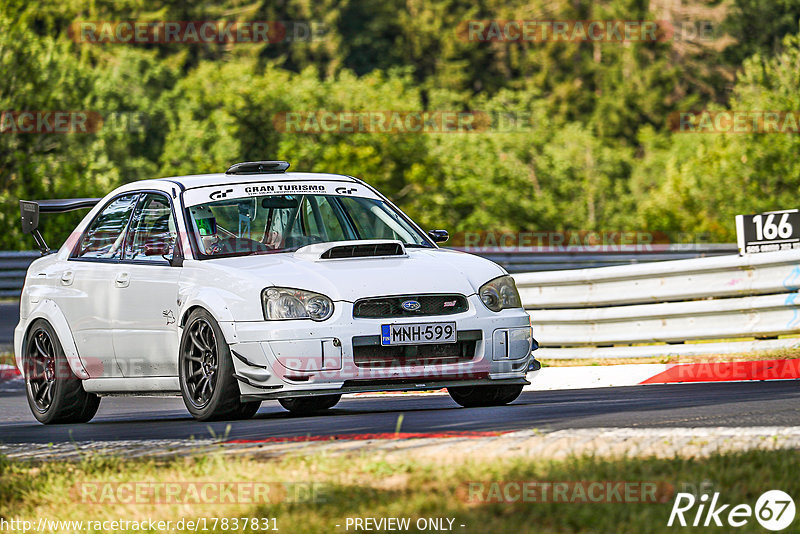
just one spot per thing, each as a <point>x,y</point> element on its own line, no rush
<point>205,369</point>
<point>478,396</point>
<point>309,405</point>
<point>55,395</point>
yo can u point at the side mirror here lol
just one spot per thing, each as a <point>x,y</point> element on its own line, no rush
<point>439,236</point>
<point>157,248</point>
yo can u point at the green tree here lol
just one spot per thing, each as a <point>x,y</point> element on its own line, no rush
<point>704,180</point>
<point>43,74</point>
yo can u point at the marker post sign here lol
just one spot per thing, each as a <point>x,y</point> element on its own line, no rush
<point>768,232</point>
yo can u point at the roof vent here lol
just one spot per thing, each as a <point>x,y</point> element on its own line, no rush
<point>258,167</point>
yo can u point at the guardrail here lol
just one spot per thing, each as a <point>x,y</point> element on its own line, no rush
<point>655,308</point>
<point>13,266</point>
<point>558,259</point>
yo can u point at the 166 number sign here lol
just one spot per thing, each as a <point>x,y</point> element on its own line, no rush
<point>768,232</point>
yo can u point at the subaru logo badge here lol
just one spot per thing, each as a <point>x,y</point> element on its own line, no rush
<point>410,305</point>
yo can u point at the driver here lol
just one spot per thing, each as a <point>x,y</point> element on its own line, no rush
<point>207,229</point>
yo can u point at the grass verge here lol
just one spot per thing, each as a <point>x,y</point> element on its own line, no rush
<point>369,485</point>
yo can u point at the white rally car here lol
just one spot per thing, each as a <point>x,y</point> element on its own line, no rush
<point>230,289</point>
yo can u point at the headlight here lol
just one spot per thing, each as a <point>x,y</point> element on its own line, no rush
<point>286,303</point>
<point>500,293</point>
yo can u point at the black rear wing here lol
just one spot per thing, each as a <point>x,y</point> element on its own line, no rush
<point>30,209</point>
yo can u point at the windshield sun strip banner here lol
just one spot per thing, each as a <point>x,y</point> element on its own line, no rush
<point>218,192</point>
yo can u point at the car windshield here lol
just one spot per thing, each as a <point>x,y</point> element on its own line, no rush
<point>283,223</point>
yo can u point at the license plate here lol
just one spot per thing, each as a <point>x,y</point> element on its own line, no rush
<point>418,333</point>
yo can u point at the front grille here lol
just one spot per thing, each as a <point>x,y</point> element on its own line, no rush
<point>387,307</point>
<point>363,251</point>
<point>368,352</point>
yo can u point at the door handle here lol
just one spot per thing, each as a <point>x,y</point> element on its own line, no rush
<point>67,277</point>
<point>122,280</point>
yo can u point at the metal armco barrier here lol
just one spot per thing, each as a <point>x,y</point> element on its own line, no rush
<point>12,272</point>
<point>566,259</point>
<point>613,311</point>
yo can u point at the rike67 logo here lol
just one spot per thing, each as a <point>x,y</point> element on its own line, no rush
<point>774,510</point>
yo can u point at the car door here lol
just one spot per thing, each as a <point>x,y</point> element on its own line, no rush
<point>85,286</point>
<point>145,291</point>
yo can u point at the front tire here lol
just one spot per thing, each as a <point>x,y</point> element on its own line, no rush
<point>309,405</point>
<point>55,395</point>
<point>479,396</point>
<point>205,369</point>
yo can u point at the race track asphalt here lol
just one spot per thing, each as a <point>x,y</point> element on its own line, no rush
<point>774,403</point>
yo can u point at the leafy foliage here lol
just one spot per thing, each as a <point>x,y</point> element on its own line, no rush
<point>589,149</point>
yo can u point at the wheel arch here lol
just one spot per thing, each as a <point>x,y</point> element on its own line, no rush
<point>49,311</point>
<point>215,304</point>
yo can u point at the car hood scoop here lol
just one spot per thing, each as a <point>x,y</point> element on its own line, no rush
<point>345,250</point>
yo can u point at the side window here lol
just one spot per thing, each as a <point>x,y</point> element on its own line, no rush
<point>152,234</point>
<point>105,235</point>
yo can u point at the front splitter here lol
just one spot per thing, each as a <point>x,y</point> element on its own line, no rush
<point>373,387</point>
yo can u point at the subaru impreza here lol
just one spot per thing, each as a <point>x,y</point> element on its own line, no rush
<point>258,284</point>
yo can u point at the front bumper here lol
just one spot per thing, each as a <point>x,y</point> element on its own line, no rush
<point>296,358</point>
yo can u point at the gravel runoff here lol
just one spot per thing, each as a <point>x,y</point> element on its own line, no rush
<point>598,442</point>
